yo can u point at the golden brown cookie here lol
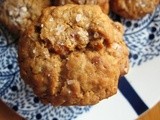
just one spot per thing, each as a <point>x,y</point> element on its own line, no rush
<point>104,4</point>
<point>74,55</point>
<point>133,9</point>
<point>17,15</point>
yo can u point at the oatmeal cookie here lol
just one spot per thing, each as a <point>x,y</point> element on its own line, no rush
<point>104,4</point>
<point>17,15</point>
<point>133,9</point>
<point>73,55</point>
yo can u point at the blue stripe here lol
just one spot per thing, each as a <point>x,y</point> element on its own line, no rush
<point>130,94</point>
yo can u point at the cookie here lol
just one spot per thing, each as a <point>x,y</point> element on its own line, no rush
<point>133,9</point>
<point>73,55</point>
<point>17,15</point>
<point>104,4</point>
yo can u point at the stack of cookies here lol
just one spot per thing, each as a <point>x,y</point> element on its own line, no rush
<point>70,54</point>
<point>18,15</point>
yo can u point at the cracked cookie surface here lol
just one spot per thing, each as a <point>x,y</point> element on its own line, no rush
<point>73,55</point>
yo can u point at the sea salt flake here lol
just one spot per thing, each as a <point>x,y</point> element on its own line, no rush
<point>42,25</point>
<point>24,9</point>
<point>96,35</point>
<point>60,43</point>
<point>14,12</point>
<point>69,92</point>
<point>78,17</point>
<point>34,51</point>
<point>51,19</point>
<point>65,15</point>
<point>59,29</point>
<point>82,32</point>
<point>69,82</point>
<point>19,20</point>
<point>10,13</point>
<point>142,4</point>
<point>116,46</point>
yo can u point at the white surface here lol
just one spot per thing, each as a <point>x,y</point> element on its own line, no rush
<point>115,108</point>
<point>146,81</point>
